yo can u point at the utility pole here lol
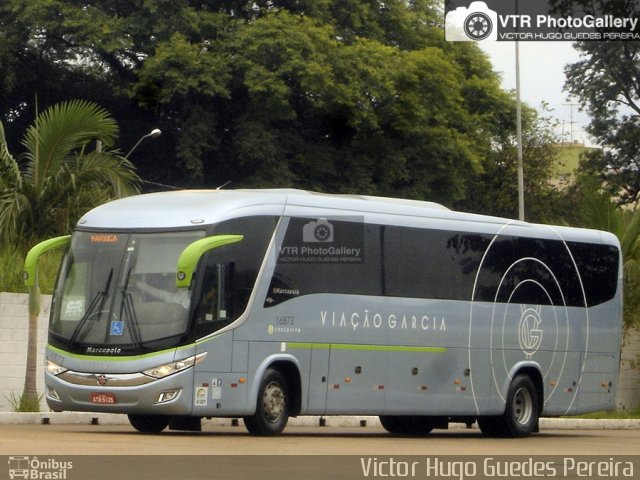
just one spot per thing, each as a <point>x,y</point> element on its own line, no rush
<point>571,122</point>
<point>519,138</point>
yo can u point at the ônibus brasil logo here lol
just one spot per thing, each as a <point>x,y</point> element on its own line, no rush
<point>37,468</point>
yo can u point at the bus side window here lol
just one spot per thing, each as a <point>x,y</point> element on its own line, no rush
<point>213,303</point>
<point>207,305</point>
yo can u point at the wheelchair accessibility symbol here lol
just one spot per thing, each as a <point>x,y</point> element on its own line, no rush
<point>117,328</point>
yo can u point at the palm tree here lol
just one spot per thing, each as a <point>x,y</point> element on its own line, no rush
<point>598,210</point>
<point>48,187</point>
<point>59,177</point>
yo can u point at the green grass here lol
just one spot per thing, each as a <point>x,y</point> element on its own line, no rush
<point>21,404</point>
<point>11,266</point>
<point>612,415</point>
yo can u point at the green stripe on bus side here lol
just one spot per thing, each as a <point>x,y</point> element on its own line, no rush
<point>293,345</point>
<point>104,358</point>
<point>370,348</point>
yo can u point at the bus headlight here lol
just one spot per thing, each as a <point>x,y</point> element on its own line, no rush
<point>54,368</point>
<point>174,367</point>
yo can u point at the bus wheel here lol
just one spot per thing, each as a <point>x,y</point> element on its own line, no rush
<point>391,424</point>
<point>491,426</point>
<point>521,412</point>
<point>407,425</point>
<point>272,409</point>
<point>149,423</point>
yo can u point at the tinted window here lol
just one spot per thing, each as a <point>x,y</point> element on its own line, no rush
<point>226,275</point>
<point>298,274</point>
<point>543,272</point>
<point>598,266</point>
<point>422,263</point>
<point>439,264</point>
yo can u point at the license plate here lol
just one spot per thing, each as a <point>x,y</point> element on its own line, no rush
<point>103,398</point>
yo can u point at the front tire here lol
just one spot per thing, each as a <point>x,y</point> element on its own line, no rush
<point>272,408</point>
<point>412,425</point>
<point>149,423</point>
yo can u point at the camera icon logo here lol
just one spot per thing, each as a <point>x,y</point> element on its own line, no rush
<point>477,22</point>
<point>317,231</point>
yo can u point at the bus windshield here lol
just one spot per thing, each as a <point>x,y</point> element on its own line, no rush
<point>117,292</point>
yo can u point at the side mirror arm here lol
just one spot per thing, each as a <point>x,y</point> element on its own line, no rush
<point>191,255</point>
<point>31,262</point>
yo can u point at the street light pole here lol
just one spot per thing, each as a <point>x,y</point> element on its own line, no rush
<point>519,138</point>
<point>519,130</point>
<point>155,133</point>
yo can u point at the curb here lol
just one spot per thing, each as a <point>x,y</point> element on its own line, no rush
<point>82,418</point>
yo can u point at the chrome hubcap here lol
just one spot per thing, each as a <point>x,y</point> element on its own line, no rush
<point>522,406</point>
<point>273,402</point>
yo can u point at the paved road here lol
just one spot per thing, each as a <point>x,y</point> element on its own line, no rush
<point>123,440</point>
<point>221,445</point>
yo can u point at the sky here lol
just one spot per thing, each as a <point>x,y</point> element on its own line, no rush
<point>541,80</point>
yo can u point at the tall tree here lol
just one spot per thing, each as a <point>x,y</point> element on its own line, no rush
<point>61,174</point>
<point>494,190</point>
<point>45,189</point>
<point>344,95</point>
<point>606,82</point>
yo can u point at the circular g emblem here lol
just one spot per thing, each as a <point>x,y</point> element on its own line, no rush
<point>530,330</point>
<point>181,276</point>
<point>522,313</point>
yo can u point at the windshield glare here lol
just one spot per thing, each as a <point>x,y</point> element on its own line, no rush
<point>120,290</point>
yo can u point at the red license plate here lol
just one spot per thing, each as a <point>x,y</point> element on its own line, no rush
<point>104,398</point>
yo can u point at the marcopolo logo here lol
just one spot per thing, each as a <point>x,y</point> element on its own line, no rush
<point>476,22</point>
<point>504,20</point>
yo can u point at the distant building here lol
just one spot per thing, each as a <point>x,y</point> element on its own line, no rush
<point>568,161</point>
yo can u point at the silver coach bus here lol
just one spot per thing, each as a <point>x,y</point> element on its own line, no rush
<point>266,304</point>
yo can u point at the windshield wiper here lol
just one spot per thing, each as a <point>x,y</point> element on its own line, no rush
<point>93,312</point>
<point>129,310</point>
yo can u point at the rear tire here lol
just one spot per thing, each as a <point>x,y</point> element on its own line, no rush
<point>149,423</point>
<point>521,414</point>
<point>520,418</point>
<point>272,408</point>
